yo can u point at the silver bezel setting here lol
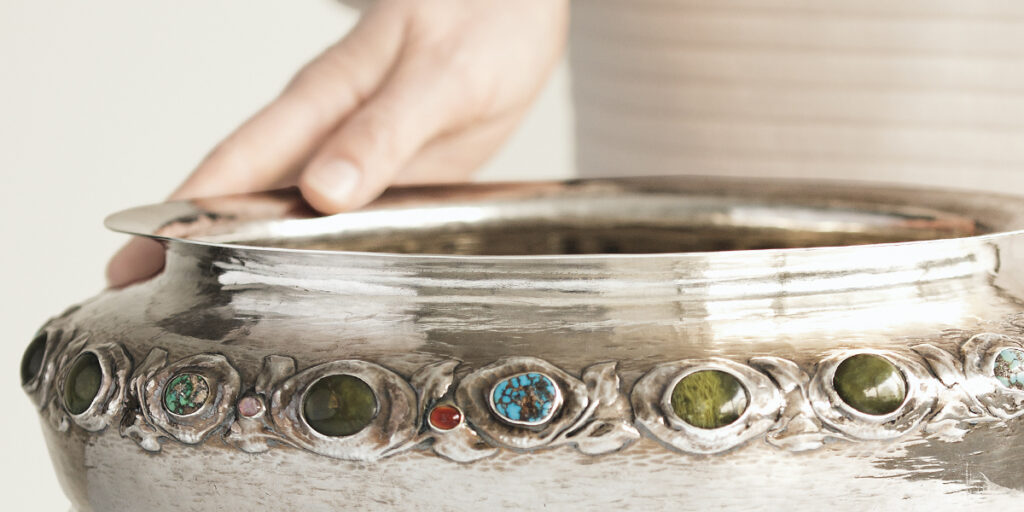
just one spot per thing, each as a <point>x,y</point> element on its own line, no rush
<point>393,424</point>
<point>105,408</point>
<point>224,384</point>
<point>921,394</point>
<point>40,387</point>
<point>652,404</point>
<point>980,353</point>
<point>474,392</point>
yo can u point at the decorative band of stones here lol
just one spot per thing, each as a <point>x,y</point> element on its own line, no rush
<point>359,410</point>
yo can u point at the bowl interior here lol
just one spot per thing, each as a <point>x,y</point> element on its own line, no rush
<point>620,224</point>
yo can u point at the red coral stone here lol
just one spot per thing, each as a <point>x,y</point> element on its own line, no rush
<point>445,417</point>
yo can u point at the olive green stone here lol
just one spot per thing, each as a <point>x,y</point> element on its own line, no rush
<point>82,384</point>
<point>339,405</point>
<point>709,399</point>
<point>32,361</point>
<point>186,394</point>
<point>870,384</point>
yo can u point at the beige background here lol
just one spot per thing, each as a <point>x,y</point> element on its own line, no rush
<point>107,104</point>
<point>921,92</point>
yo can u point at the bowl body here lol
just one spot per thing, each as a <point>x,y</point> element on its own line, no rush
<point>639,343</point>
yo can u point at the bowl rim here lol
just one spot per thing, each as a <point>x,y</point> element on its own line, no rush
<point>153,220</point>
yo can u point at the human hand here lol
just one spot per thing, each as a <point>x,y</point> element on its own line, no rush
<point>418,92</point>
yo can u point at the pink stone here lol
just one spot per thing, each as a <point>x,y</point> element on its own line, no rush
<point>250,406</point>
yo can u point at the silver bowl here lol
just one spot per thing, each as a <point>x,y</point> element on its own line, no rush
<point>631,344</point>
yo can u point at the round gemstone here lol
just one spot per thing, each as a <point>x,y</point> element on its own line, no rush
<point>32,361</point>
<point>250,406</point>
<point>709,399</point>
<point>525,399</point>
<point>1009,368</point>
<point>445,417</point>
<point>186,394</point>
<point>82,383</point>
<point>870,384</point>
<point>339,405</point>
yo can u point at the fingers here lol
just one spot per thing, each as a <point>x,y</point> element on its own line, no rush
<point>267,150</point>
<point>454,156</point>
<point>140,259</point>
<point>447,158</point>
<point>359,160</point>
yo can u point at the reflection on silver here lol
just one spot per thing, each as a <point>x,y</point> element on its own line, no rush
<point>798,428</point>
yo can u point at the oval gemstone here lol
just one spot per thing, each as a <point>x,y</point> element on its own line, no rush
<point>82,383</point>
<point>32,361</point>
<point>709,399</point>
<point>1009,368</point>
<point>250,406</point>
<point>870,384</point>
<point>186,394</point>
<point>525,399</point>
<point>445,417</point>
<point>339,405</point>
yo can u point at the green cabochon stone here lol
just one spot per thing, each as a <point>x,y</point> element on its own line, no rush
<point>83,382</point>
<point>709,399</point>
<point>339,405</point>
<point>870,384</point>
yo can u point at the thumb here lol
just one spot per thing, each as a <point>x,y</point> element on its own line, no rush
<point>365,154</point>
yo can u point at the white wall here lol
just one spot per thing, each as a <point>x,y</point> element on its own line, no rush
<point>107,104</point>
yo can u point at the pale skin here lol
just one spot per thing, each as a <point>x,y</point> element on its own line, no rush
<point>418,92</point>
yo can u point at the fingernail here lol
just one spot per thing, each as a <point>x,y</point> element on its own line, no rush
<point>336,180</point>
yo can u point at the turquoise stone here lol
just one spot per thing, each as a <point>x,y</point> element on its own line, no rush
<point>1009,368</point>
<point>870,384</point>
<point>339,405</point>
<point>525,399</point>
<point>709,399</point>
<point>83,383</point>
<point>186,394</point>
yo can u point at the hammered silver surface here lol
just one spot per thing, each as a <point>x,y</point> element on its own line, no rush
<point>605,320</point>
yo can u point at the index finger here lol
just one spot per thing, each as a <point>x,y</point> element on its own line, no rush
<point>267,150</point>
